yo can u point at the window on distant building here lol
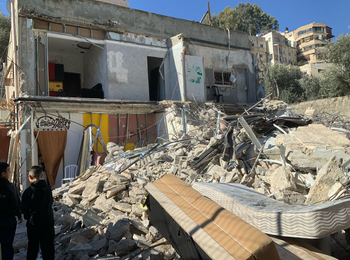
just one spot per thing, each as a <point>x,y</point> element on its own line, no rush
<point>276,39</point>
<point>319,70</point>
<point>304,72</point>
<point>289,54</point>
<point>261,45</point>
<point>253,44</point>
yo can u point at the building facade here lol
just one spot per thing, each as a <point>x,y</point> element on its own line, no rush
<point>279,49</point>
<point>259,48</point>
<point>309,38</point>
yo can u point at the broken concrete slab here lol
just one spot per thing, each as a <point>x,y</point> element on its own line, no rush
<point>91,187</point>
<point>123,206</point>
<point>138,224</point>
<point>120,179</point>
<point>311,146</point>
<point>114,190</point>
<point>77,239</point>
<point>69,201</point>
<point>282,179</point>
<point>78,189</point>
<point>136,192</point>
<point>116,229</point>
<point>90,218</point>
<point>88,233</point>
<point>86,248</point>
<point>289,197</point>
<point>216,171</point>
<point>125,246</point>
<point>99,244</point>
<point>112,245</point>
<point>328,175</point>
<point>103,204</point>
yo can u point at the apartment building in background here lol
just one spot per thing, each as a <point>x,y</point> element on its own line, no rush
<point>279,49</point>
<point>308,38</point>
<point>259,48</point>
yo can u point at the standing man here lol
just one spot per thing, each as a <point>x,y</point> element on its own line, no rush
<point>10,206</point>
<point>37,210</point>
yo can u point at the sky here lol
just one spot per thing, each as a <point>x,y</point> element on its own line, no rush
<point>292,14</point>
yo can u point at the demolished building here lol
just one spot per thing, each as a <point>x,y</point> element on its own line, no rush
<point>94,63</point>
<point>132,78</point>
<point>103,212</point>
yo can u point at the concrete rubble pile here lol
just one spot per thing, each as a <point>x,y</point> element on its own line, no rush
<point>100,215</point>
<point>269,149</point>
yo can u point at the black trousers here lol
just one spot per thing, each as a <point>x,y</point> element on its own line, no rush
<point>7,234</point>
<point>43,237</point>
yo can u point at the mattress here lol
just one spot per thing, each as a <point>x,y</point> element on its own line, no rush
<point>276,218</point>
<point>199,228</point>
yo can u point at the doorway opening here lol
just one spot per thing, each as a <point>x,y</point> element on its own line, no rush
<point>155,81</point>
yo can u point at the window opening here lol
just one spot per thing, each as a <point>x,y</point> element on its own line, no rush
<point>223,78</point>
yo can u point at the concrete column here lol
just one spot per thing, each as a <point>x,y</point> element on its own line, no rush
<point>33,143</point>
<point>23,159</point>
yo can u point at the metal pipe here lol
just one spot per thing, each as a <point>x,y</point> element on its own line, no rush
<point>138,127</point>
<point>14,43</point>
<point>146,127</point>
<point>184,125</point>
<point>127,131</point>
<point>118,140</point>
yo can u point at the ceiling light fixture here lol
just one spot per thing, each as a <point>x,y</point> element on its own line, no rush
<point>84,45</point>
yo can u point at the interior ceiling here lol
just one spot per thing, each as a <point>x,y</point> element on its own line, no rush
<point>66,46</point>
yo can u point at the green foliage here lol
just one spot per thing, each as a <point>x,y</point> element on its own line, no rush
<point>339,52</point>
<point>334,82</point>
<point>299,63</point>
<point>5,27</point>
<point>311,87</point>
<point>245,18</point>
<point>284,80</point>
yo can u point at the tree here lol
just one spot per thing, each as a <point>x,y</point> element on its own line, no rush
<point>283,82</point>
<point>335,79</point>
<point>245,18</point>
<point>5,27</point>
<point>311,87</point>
<point>334,82</point>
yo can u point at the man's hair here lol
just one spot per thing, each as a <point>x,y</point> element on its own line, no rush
<point>36,172</point>
<point>3,167</point>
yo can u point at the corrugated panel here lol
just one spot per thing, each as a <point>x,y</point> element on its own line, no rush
<point>130,134</point>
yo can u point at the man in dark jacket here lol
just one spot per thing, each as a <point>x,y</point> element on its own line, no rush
<point>37,210</point>
<point>9,208</point>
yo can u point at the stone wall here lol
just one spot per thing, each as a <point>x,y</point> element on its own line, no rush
<point>339,105</point>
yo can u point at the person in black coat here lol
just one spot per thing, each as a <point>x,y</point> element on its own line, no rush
<point>10,206</point>
<point>37,210</point>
